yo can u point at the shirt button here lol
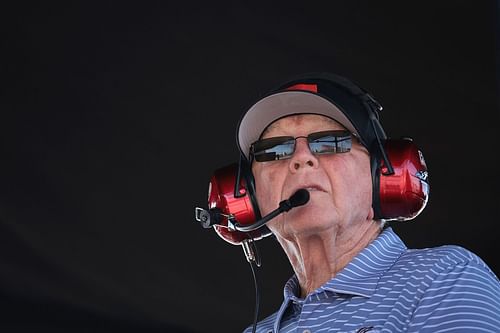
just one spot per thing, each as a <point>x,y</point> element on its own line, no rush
<point>306,331</point>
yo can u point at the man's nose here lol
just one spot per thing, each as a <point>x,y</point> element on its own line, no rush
<point>302,157</point>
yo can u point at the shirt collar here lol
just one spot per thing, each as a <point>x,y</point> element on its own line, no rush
<point>361,275</point>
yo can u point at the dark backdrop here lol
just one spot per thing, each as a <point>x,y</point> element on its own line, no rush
<point>113,117</point>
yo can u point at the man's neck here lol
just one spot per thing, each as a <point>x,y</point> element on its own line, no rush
<point>318,258</point>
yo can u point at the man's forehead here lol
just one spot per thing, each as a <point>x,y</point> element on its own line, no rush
<point>301,119</point>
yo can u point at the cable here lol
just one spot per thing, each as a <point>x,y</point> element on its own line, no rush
<point>256,285</point>
<point>377,127</point>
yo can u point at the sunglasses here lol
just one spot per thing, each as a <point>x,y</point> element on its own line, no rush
<point>283,147</point>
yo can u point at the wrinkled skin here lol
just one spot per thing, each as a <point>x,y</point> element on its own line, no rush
<point>321,237</point>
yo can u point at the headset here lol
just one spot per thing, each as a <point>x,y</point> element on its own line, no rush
<point>399,172</point>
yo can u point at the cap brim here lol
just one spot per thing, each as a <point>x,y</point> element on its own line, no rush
<point>282,104</point>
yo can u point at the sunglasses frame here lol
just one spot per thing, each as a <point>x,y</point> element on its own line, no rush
<point>259,147</point>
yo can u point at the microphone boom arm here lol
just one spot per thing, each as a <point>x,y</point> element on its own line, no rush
<point>299,198</point>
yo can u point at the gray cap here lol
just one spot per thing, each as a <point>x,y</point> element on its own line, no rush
<point>323,94</point>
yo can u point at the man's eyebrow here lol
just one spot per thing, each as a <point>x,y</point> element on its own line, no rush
<point>267,129</point>
<point>274,124</point>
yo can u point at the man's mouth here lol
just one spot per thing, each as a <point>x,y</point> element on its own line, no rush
<point>311,188</point>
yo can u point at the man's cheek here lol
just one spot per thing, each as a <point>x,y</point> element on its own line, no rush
<point>266,192</point>
<point>264,199</point>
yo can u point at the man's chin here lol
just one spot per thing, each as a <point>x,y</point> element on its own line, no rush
<point>312,210</point>
<point>305,223</point>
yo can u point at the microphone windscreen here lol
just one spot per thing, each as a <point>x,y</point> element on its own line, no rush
<point>299,198</point>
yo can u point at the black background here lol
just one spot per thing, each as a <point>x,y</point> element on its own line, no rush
<point>114,115</point>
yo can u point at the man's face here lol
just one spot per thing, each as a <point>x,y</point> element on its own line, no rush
<point>340,184</point>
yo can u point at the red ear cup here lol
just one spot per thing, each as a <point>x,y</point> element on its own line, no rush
<point>241,208</point>
<point>404,194</point>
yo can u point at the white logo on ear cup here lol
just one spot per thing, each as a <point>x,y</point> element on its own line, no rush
<point>422,175</point>
<point>422,160</point>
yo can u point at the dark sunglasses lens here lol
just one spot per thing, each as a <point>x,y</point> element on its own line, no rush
<point>282,147</point>
<point>272,149</point>
<point>330,142</point>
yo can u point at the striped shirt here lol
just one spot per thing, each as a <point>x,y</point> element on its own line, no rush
<point>389,288</point>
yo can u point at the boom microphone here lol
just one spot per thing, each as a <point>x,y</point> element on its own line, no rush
<point>299,198</point>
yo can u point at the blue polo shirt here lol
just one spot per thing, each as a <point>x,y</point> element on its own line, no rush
<point>389,288</point>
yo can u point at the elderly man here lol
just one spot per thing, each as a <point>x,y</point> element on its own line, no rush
<point>320,132</point>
